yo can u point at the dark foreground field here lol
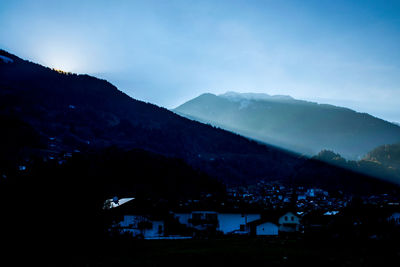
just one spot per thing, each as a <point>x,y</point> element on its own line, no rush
<point>248,252</point>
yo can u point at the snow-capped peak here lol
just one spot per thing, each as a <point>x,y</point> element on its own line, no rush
<point>254,96</point>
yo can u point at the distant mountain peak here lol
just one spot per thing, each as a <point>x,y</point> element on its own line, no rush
<point>254,96</point>
<point>302,126</point>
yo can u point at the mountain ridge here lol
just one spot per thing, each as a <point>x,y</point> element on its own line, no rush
<point>297,125</point>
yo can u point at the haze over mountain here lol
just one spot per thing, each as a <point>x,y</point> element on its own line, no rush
<point>301,126</point>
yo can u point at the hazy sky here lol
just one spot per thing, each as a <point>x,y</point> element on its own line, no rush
<point>166,52</point>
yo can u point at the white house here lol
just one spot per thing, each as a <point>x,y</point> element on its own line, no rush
<point>289,223</point>
<point>266,229</point>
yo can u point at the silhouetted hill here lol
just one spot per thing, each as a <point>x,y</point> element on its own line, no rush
<point>300,126</point>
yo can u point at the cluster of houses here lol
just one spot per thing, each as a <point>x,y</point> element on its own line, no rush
<point>205,223</point>
<point>200,223</point>
<point>276,196</point>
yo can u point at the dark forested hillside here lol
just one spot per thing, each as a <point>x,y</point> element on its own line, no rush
<point>301,126</point>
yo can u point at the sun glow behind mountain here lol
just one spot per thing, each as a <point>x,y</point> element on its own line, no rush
<point>66,54</point>
<point>62,62</point>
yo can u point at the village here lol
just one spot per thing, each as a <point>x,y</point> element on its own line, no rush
<point>264,210</point>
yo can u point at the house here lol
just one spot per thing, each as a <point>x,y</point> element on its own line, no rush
<point>263,228</point>
<point>274,223</point>
<point>236,223</point>
<point>289,223</point>
<point>267,229</point>
<point>227,223</point>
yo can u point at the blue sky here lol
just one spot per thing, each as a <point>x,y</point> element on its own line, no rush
<point>165,52</point>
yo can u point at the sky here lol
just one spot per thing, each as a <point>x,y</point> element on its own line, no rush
<point>166,52</point>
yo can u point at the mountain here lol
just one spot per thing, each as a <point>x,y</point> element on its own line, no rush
<point>50,114</point>
<point>65,112</point>
<point>300,126</point>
